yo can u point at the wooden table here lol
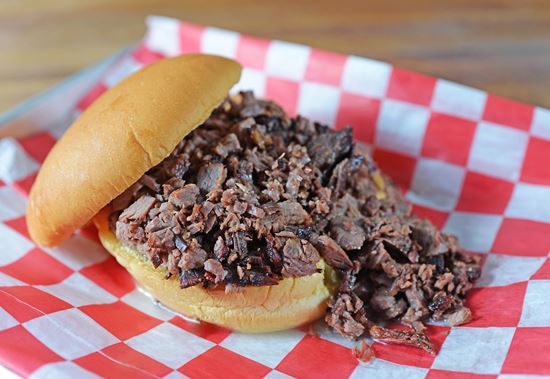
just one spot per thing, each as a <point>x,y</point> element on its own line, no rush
<point>502,46</point>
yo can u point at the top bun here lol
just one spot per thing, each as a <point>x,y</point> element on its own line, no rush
<point>129,129</point>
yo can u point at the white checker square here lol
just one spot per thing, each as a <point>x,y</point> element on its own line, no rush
<point>322,330</point>
<point>367,77</point>
<point>220,42</point>
<point>8,374</point>
<point>427,189</point>
<point>8,281</point>
<point>16,163</point>
<point>175,375</point>
<point>6,320</point>
<point>536,307</point>
<point>163,34</point>
<point>170,345</point>
<point>287,60</point>
<point>123,69</point>
<point>12,245</point>
<point>319,102</point>
<point>277,375</point>
<point>381,369</point>
<point>401,127</point>
<point>251,80</point>
<point>12,204</point>
<point>78,290</point>
<point>70,333</point>
<point>78,252</point>
<point>472,345</point>
<point>268,350</point>
<point>530,201</point>
<point>458,100</point>
<point>498,151</point>
<point>540,126</point>
<point>502,270</point>
<point>62,370</point>
<point>476,232</point>
<point>146,305</point>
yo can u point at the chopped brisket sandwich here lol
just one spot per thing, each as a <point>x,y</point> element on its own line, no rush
<point>230,211</point>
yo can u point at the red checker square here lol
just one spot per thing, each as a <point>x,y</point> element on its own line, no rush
<point>411,87</point>
<point>111,276</point>
<point>19,225</point>
<point>38,145</point>
<point>407,355</point>
<point>120,319</point>
<point>146,56</point>
<point>496,306</point>
<point>91,96</point>
<point>522,237</point>
<point>325,67</point>
<point>448,138</point>
<point>543,272</point>
<point>536,167</point>
<point>529,352</point>
<point>309,360</point>
<point>22,353</point>
<point>252,51</point>
<point>190,37</point>
<point>284,92</point>
<point>508,112</point>
<point>220,360</point>
<point>24,185</point>
<point>360,112</point>
<point>399,167</point>
<point>37,267</point>
<point>121,361</point>
<point>484,194</point>
<point>2,183</point>
<point>442,374</point>
<point>436,217</point>
<point>205,330</point>
<point>25,303</point>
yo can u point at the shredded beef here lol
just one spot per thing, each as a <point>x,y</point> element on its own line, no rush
<point>253,196</point>
<point>211,176</point>
<point>138,210</point>
<point>184,197</point>
<point>333,254</point>
<point>299,259</point>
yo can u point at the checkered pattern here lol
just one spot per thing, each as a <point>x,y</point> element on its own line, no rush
<point>475,164</point>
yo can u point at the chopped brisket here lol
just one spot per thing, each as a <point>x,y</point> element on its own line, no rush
<point>138,210</point>
<point>214,267</point>
<point>253,196</point>
<point>211,176</point>
<point>150,182</point>
<point>333,254</point>
<point>403,337</point>
<point>330,147</point>
<point>299,259</point>
<point>184,197</point>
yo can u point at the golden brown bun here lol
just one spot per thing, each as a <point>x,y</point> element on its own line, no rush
<point>293,302</point>
<point>129,129</point>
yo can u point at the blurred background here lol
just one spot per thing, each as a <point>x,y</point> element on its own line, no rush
<point>502,46</point>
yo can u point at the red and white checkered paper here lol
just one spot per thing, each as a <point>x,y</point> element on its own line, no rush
<point>477,165</point>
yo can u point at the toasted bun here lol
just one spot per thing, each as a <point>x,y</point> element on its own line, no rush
<point>129,129</point>
<point>293,302</point>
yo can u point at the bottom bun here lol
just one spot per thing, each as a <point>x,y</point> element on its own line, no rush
<point>292,302</point>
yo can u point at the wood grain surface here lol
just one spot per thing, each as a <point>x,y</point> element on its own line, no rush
<point>502,46</point>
